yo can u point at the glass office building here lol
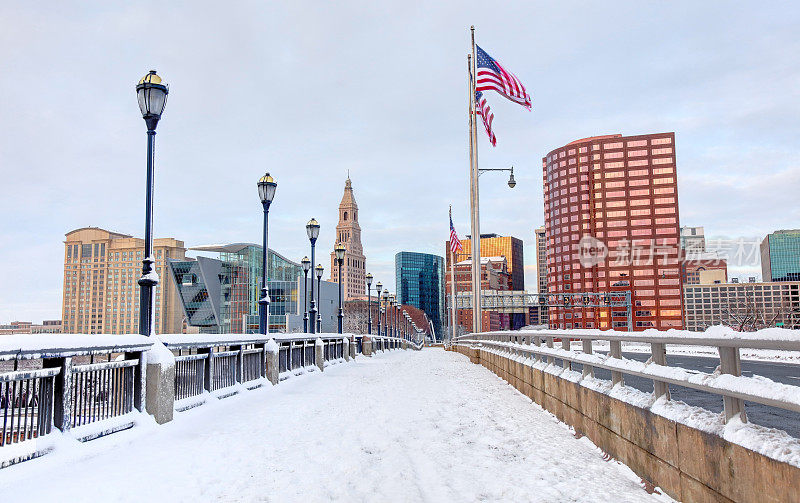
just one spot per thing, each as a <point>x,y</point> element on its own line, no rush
<point>420,283</point>
<point>780,256</point>
<point>221,295</point>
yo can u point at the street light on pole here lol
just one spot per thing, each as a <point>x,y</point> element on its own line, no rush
<point>476,239</point>
<point>339,251</point>
<point>306,263</point>
<point>151,94</point>
<point>266,192</point>
<point>319,270</point>
<point>312,229</point>
<point>369,303</point>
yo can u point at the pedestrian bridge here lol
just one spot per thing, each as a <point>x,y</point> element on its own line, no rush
<point>357,418</point>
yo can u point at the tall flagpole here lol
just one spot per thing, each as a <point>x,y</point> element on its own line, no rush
<point>453,312</point>
<point>474,209</point>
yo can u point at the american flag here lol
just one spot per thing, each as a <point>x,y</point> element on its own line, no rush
<point>493,77</point>
<point>482,108</point>
<point>455,243</point>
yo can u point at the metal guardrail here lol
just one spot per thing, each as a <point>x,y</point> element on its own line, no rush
<point>68,381</point>
<point>54,381</point>
<point>727,381</point>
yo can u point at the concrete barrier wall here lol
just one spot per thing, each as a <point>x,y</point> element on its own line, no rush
<point>688,464</point>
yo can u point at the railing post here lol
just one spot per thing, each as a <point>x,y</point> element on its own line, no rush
<point>62,392</point>
<point>588,370</point>
<point>537,341</point>
<point>659,351</point>
<point>239,362</point>
<point>272,352</point>
<point>208,380</point>
<point>319,354</point>
<point>262,371</point>
<point>550,343</point>
<point>139,379</point>
<point>345,349</point>
<point>566,345</point>
<point>730,363</point>
<point>616,352</point>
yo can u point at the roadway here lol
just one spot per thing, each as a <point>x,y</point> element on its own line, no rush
<point>786,373</point>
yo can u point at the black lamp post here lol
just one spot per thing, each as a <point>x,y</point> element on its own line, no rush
<point>319,270</point>
<point>306,266</point>
<point>266,192</point>
<point>369,303</point>
<point>378,288</point>
<point>152,96</point>
<point>312,229</point>
<point>393,305</point>
<point>385,312</point>
<point>339,251</point>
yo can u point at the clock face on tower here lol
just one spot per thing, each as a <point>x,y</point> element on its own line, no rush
<point>348,233</point>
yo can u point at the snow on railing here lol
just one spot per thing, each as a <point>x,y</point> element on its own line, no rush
<point>66,381</point>
<point>94,384</point>
<point>726,381</point>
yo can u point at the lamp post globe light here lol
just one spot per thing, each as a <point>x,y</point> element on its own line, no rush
<point>151,93</point>
<point>369,303</point>
<point>339,252</point>
<point>266,192</point>
<point>306,263</point>
<point>319,270</point>
<point>312,229</point>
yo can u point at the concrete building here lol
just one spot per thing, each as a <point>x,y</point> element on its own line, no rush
<point>780,256</point>
<point>27,327</point>
<point>101,293</point>
<point>612,225</point>
<point>493,245</point>
<point>693,238</point>
<point>348,232</point>
<point>420,282</point>
<point>494,277</point>
<point>541,274</point>
<point>743,306</point>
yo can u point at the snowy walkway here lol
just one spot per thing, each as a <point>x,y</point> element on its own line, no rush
<point>403,426</point>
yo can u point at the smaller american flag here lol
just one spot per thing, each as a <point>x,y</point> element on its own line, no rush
<point>482,108</point>
<point>455,243</point>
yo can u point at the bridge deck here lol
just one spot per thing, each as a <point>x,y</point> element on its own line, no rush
<point>405,426</point>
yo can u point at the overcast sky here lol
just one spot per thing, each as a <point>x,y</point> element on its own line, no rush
<point>308,90</point>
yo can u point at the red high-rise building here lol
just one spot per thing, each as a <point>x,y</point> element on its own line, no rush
<point>611,223</point>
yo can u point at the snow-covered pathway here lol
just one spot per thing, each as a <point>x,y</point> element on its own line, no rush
<point>402,426</point>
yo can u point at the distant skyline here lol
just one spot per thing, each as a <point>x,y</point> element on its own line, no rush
<point>308,91</point>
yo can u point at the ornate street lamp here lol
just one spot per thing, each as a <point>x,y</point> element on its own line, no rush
<point>319,270</point>
<point>312,229</point>
<point>393,315</point>
<point>266,192</point>
<point>369,303</point>
<point>339,251</point>
<point>306,263</point>
<point>152,96</point>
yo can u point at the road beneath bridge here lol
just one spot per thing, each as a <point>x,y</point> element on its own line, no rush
<point>400,426</point>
